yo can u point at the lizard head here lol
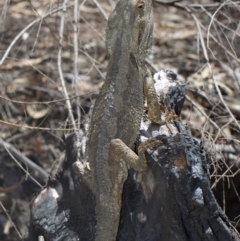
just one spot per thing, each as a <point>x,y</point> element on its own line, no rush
<point>131,25</point>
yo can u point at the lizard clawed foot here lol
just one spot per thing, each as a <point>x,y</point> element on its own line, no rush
<point>152,142</point>
<point>149,143</point>
<point>80,170</point>
<point>118,150</point>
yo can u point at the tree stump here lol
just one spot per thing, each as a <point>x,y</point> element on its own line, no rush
<point>172,200</point>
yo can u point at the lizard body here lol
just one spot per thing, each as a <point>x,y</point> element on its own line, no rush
<point>117,113</point>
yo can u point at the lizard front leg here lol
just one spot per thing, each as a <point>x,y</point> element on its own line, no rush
<point>119,151</point>
<point>85,175</point>
<point>121,157</point>
<point>153,103</point>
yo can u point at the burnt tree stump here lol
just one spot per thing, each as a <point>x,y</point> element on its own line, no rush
<point>171,201</point>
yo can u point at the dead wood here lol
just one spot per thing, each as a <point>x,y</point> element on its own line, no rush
<point>172,200</point>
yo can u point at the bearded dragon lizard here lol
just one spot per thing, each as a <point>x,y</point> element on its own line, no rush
<point>117,113</point>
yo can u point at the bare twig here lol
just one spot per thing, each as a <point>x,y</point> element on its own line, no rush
<point>210,70</point>
<point>224,195</point>
<point>2,206</point>
<point>167,2</point>
<point>65,93</point>
<point>14,153</point>
<point>40,24</point>
<point>209,5</point>
<point>187,7</point>
<point>228,169</point>
<point>75,62</point>
<point>205,115</point>
<point>33,127</point>
<point>101,9</point>
<point>94,65</point>
<point>219,23</point>
<point>4,10</point>
<point>36,102</point>
<point>94,29</point>
<point>221,130</point>
<point>26,29</point>
<point>210,24</point>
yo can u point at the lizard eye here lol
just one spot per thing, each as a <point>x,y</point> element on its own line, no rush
<point>140,4</point>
